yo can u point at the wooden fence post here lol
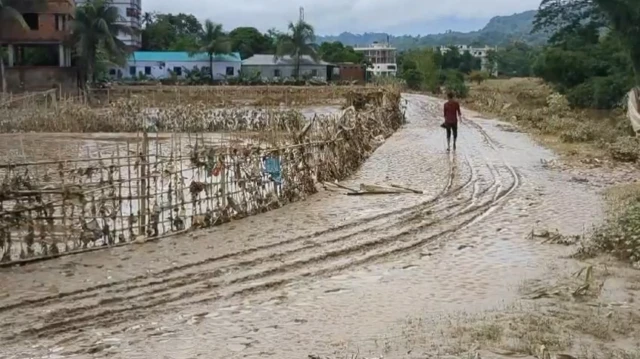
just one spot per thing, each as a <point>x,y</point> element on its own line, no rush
<point>142,192</point>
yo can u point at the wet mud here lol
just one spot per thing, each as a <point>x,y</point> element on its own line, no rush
<point>323,276</point>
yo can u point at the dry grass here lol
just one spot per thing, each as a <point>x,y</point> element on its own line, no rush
<point>575,317</point>
<point>185,109</point>
<point>225,96</point>
<point>534,107</point>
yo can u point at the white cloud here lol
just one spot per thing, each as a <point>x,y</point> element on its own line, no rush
<point>334,16</point>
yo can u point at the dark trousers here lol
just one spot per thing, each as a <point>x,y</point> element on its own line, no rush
<point>452,128</point>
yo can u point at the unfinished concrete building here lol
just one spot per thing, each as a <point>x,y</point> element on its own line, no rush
<point>37,56</point>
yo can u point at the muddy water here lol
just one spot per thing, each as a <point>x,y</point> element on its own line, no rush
<point>327,276</point>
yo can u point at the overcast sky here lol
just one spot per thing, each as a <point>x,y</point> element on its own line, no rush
<point>331,17</point>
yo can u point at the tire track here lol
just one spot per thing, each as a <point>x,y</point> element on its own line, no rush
<point>92,291</point>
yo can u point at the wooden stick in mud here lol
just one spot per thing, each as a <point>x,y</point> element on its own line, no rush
<point>343,187</point>
<point>369,193</point>
<point>378,188</point>
<point>407,188</point>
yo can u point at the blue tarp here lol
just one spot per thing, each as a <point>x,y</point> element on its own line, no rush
<point>272,167</point>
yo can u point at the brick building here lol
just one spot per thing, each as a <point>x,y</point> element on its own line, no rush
<point>350,72</point>
<point>37,56</point>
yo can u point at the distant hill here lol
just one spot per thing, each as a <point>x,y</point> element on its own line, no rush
<point>499,31</point>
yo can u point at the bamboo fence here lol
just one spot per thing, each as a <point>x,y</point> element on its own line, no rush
<point>153,186</point>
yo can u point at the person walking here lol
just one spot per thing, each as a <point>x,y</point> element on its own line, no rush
<point>452,115</point>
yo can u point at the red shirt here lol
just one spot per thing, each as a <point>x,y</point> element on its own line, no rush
<point>451,112</point>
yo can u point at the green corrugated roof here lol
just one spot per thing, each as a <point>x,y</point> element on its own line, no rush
<point>181,56</point>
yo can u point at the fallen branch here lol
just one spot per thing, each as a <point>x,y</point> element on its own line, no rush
<point>378,188</point>
<point>341,186</point>
<point>368,193</point>
<point>407,188</point>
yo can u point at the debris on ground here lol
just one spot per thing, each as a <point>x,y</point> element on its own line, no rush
<point>554,237</point>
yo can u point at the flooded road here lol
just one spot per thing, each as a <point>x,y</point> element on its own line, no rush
<point>326,276</point>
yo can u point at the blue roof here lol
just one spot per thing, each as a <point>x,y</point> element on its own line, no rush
<point>180,56</point>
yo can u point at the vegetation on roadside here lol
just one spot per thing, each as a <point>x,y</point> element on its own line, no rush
<point>537,108</point>
<point>620,234</point>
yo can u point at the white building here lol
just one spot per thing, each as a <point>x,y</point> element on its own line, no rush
<point>130,15</point>
<point>161,64</point>
<point>382,58</point>
<point>268,67</point>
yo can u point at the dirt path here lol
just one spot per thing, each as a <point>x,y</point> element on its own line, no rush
<point>322,276</point>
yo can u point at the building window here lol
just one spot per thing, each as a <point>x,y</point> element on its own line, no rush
<point>276,73</point>
<point>177,70</point>
<point>32,20</point>
<point>229,71</point>
<point>133,12</point>
<point>391,67</point>
<point>112,72</point>
<point>147,70</point>
<point>61,22</point>
<point>132,70</point>
<point>314,73</point>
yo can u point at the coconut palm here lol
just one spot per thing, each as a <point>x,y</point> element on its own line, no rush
<point>95,28</point>
<point>148,18</point>
<point>11,13</point>
<point>298,42</point>
<point>213,41</point>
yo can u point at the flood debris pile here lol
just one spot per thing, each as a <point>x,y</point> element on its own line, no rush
<point>151,186</point>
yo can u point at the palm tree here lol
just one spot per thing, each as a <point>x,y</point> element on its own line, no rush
<point>298,42</point>
<point>95,28</point>
<point>213,41</point>
<point>11,12</point>
<point>148,18</point>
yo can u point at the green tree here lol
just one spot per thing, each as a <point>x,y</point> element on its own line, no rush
<point>468,63</point>
<point>516,59</point>
<point>95,28</point>
<point>624,17</point>
<point>336,52</point>
<point>298,42</point>
<point>148,18</point>
<point>424,62</point>
<point>451,58</point>
<point>621,16</point>
<point>249,41</point>
<point>591,67</point>
<point>213,41</point>
<point>11,13</point>
<point>171,32</point>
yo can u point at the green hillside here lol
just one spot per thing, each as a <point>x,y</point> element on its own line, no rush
<point>499,31</point>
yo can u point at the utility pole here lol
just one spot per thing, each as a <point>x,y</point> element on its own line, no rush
<point>301,14</point>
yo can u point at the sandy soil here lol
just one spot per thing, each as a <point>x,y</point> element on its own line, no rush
<point>450,272</point>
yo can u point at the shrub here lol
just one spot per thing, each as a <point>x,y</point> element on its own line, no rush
<point>626,149</point>
<point>478,76</point>
<point>599,92</point>
<point>620,235</point>
<point>455,83</point>
<point>413,79</point>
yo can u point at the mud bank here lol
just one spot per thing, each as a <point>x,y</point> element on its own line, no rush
<point>331,275</point>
